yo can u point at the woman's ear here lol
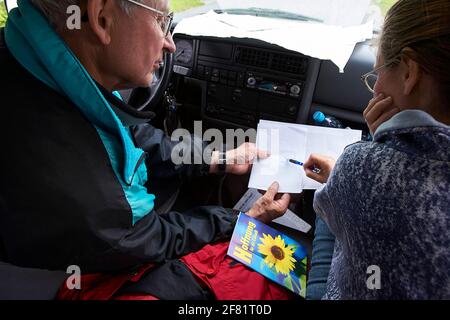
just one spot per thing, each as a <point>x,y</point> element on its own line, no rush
<point>101,16</point>
<point>411,72</point>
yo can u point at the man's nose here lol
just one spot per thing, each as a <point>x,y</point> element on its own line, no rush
<point>169,45</point>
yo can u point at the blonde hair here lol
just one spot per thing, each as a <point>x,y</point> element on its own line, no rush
<point>424,26</point>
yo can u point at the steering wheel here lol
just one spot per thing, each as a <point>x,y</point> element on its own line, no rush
<point>147,98</point>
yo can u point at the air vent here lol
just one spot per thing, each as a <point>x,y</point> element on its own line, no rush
<point>252,57</point>
<point>287,63</point>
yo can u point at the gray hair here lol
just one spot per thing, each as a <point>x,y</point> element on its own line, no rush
<point>55,10</point>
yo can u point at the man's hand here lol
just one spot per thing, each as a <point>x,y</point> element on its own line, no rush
<point>379,110</point>
<point>324,163</point>
<point>271,205</point>
<point>239,160</point>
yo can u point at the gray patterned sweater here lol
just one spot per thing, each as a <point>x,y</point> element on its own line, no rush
<point>388,204</point>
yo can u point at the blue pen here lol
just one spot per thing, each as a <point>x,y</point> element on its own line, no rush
<point>296,162</point>
<point>315,170</point>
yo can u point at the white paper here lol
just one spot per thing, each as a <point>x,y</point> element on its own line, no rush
<point>279,142</point>
<point>318,40</point>
<point>313,139</point>
<point>289,219</point>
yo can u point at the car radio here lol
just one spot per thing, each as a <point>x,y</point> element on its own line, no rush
<point>273,85</point>
<point>242,83</point>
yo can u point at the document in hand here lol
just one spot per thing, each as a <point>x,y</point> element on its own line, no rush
<point>287,141</point>
<point>289,219</point>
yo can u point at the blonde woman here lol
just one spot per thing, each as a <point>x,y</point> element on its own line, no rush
<point>387,202</point>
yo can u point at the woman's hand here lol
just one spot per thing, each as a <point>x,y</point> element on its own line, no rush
<point>379,110</point>
<point>271,205</point>
<point>324,163</point>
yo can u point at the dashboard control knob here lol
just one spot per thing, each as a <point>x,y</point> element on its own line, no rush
<point>295,89</point>
<point>292,110</point>
<point>251,81</point>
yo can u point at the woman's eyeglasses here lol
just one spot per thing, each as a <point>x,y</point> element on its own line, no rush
<point>166,18</point>
<point>370,78</point>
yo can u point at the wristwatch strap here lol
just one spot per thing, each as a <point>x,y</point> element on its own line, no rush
<point>222,162</point>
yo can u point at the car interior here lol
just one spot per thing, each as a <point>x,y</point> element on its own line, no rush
<point>231,83</point>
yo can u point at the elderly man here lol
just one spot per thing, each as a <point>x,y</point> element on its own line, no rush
<point>74,171</point>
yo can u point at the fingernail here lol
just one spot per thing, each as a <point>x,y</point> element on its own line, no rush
<point>380,95</point>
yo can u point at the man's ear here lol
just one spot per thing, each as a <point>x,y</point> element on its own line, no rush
<point>411,72</point>
<point>101,17</point>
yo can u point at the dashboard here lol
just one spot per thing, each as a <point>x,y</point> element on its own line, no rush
<point>235,82</point>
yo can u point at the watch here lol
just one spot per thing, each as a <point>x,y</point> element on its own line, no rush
<point>222,162</point>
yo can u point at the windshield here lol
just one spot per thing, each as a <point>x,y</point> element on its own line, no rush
<point>334,12</point>
<point>339,12</point>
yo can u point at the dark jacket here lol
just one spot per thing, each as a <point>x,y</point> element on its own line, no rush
<point>60,201</point>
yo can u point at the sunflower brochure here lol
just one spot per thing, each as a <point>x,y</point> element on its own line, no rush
<point>269,252</point>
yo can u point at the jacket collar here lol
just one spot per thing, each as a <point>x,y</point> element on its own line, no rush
<point>127,113</point>
<point>408,119</point>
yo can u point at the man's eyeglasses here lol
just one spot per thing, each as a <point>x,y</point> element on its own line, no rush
<point>165,23</point>
<point>370,78</point>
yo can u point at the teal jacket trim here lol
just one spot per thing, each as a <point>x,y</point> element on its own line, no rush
<point>39,49</point>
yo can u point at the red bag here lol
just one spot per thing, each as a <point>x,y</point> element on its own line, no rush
<point>229,279</point>
<point>226,278</point>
